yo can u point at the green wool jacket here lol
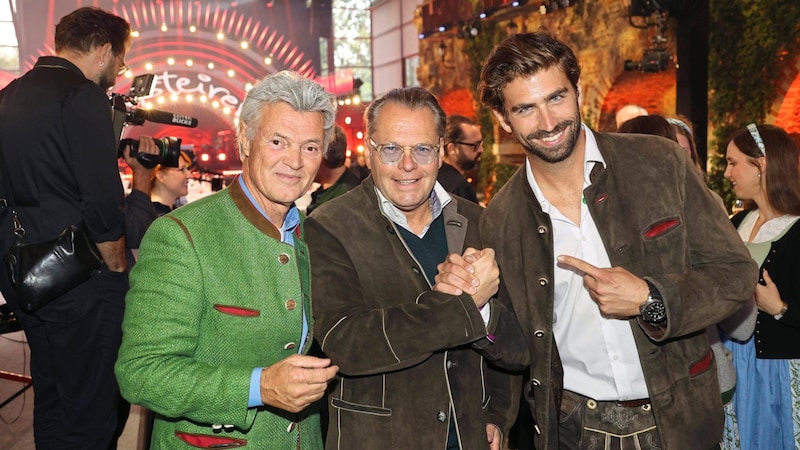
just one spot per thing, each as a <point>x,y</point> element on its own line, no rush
<point>215,294</point>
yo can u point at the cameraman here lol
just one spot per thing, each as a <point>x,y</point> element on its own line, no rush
<point>139,209</point>
<point>57,147</point>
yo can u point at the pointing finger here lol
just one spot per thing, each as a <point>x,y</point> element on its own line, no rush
<point>580,265</point>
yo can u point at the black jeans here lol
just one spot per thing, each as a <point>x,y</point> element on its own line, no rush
<point>74,342</point>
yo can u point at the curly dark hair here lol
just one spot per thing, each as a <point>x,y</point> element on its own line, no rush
<point>522,55</point>
<point>89,27</point>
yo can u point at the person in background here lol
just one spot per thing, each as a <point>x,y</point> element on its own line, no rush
<point>334,178</point>
<point>652,124</point>
<point>615,258</point>
<point>358,166</point>
<point>763,167</point>
<point>462,154</point>
<point>218,320</point>
<point>139,209</point>
<point>628,112</point>
<point>413,359</point>
<point>685,135</point>
<point>169,182</point>
<point>58,151</point>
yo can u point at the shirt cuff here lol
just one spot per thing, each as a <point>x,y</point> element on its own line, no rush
<point>254,399</point>
<point>486,313</point>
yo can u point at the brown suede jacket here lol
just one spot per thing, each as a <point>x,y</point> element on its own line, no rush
<point>406,354</point>
<point>658,220</point>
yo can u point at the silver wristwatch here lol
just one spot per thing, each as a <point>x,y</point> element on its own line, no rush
<point>653,309</point>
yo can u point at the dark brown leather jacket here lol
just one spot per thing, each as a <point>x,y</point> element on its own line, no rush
<point>658,220</point>
<point>406,354</point>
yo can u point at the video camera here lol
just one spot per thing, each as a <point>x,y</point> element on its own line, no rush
<point>125,112</point>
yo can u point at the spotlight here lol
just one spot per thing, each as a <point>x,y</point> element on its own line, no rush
<point>653,60</point>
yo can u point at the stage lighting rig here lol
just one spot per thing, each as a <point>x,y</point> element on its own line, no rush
<point>656,58</point>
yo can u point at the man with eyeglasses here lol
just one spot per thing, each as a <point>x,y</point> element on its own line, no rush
<point>462,156</point>
<point>57,148</point>
<point>412,358</point>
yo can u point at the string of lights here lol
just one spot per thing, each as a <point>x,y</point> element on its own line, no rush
<point>437,17</point>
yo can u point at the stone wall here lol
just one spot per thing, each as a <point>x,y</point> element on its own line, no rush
<point>598,31</point>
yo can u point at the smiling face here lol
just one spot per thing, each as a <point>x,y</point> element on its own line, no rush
<point>406,184</point>
<point>543,114</point>
<point>282,161</point>
<point>175,180</point>
<point>744,175</point>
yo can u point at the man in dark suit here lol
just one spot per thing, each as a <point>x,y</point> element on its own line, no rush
<point>57,146</point>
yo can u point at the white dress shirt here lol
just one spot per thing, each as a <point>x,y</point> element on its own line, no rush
<point>599,354</point>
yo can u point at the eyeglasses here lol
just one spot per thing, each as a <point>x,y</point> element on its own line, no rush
<point>753,129</point>
<point>392,153</point>
<point>474,146</point>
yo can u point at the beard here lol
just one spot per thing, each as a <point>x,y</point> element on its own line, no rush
<point>465,163</point>
<point>558,153</point>
<point>107,79</point>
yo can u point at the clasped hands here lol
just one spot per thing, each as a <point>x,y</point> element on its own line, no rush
<point>474,272</point>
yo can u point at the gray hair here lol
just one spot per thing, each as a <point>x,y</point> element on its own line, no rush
<point>302,94</point>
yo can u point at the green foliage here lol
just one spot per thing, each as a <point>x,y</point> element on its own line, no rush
<point>476,49</point>
<point>748,41</point>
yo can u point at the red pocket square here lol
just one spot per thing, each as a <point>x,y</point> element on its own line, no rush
<point>205,441</point>
<point>702,365</point>
<point>661,228</point>
<point>237,311</point>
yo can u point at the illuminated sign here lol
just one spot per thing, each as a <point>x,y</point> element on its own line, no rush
<point>202,84</point>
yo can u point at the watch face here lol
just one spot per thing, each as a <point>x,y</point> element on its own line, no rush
<point>654,312</point>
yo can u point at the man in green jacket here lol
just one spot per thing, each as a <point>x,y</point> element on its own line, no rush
<point>218,319</point>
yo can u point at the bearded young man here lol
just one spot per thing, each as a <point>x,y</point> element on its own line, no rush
<point>58,150</point>
<point>615,257</point>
